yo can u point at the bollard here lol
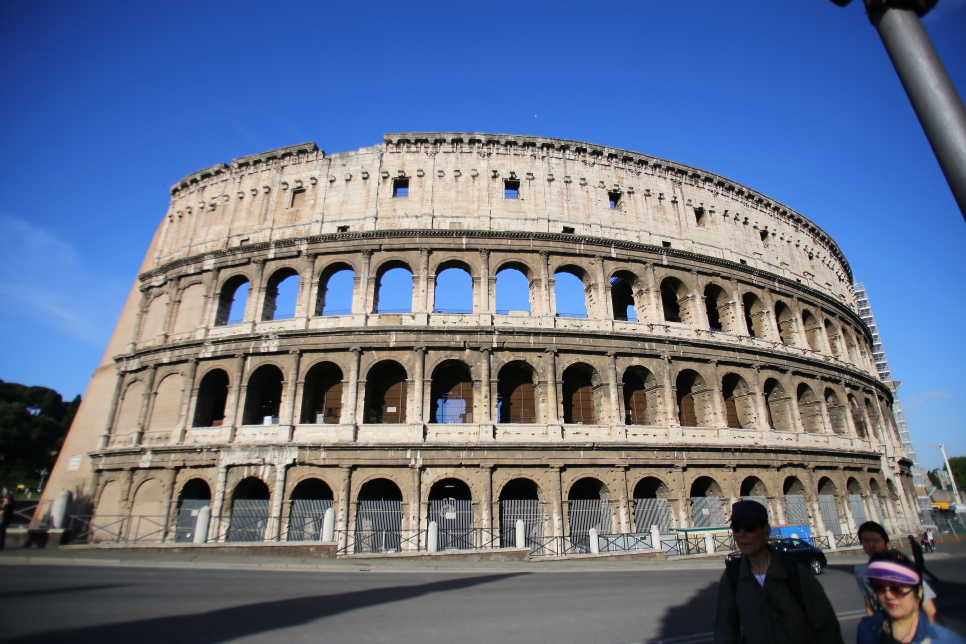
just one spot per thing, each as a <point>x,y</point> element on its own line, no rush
<point>58,515</point>
<point>594,542</point>
<point>328,526</point>
<point>831,540</point>
<point>521,534</point>
<point>432,540</point>
<point>201,525</point>
<point>656,538</point>
<point>709,543</point>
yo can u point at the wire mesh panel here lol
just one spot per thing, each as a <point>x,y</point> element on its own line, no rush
<point>648,512</point>
<point>585,514</point>
<point>527,510</point>
<point>378,526</point>
<point>857,503</point>
<point>706,511</point>
<point>305,519</point>
<point>796,509</point>
<point>762,500</point>
<point>830,514</point>
<point>455,521</point>
<point>249,518</point>
<point>187,517</point>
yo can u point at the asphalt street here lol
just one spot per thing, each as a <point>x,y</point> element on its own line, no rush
<point>52,602</point>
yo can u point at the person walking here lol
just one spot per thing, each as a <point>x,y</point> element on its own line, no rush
<point>765,596</point>
<point>875,541</point>
<point>898,585</point>
<point>6,517</point>
<point>932,540</point>
<point>920,560</point>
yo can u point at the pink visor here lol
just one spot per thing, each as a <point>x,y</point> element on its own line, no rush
<point>891,571</point>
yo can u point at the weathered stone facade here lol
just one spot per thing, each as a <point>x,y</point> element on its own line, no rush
<point>745,373</point>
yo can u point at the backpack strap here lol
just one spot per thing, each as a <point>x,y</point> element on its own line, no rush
<point>733,566</point>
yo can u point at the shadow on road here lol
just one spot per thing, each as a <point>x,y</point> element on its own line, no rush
<point>694,616</point>
<point>57,591</point>
<point>229,624</point>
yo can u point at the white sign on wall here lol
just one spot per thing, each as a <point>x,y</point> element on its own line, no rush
<point>74,463</point>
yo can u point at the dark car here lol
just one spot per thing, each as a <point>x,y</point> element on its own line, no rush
<point>806,554</point>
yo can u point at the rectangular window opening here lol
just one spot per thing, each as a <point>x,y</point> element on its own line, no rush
<point>666,244</point>
<point>343,229</point>
<point>400,187</point>
<point>298,198</point>
<point>613,198</point>
<point>568,230</point>
<point>511,189</point>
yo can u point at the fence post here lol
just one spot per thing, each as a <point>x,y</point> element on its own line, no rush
<point>594,542</point>
<point>328,526</point>
<point>709,543</point>
<point>432,540</point>
<point>831,540</point>
<point>656,538</point>
<point>521,534</point>
<point>58,515</point>
<point>201,525</point>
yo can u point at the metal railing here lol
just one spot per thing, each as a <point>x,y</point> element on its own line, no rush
<point>336,312</point>
<point>571,315</point>
<point>507,312</point>
<point>723,541</point>
<point>117,529</point>
<point>557,546</point>
<point>381,311</point>
<point>625,542</point>
<point>281,316</point>
<point>453,311</point>
<point>28,510</point>
<point>846,540</point>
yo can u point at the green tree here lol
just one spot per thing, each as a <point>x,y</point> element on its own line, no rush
<point>934,477</point>
<point>958,463</point>
<point>33,424</point>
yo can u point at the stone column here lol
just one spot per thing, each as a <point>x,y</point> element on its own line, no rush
<point>422,302</point>
<point>483,302</point>
<point>794,410</point>
<point>278,497</point>
<point>112,412</point>
<point>670,402</point>
<point>653,306</point>
<point>415,500</point>
<point>487,431</point>
<point>288,420</point>
<point>417,419</point>
<point>823,405</point>
<point>486,498</point>
<point>215,532</point>
<point>721,416</point>
<point>256,293</point>
<point>361,300</point>
<point>760,403</point>
<point>811,497</point>
<point>171,310</point>
<point>342,520</point>
<point>547,299</point>
<point>604,309</point>
<point>554,429</point>
<point>350,404</point>
<point>624,505</point>
<point>308,289</point>
<point>142,311</point>
<point>700,310</point>
<point>168,477</point>
<point>188,395</point>
<point>211,299</point>
<point>233,410</point>
<point>556,502</point>
<point>146,403</point>
<point>847,412</point>
<point>617,418</point>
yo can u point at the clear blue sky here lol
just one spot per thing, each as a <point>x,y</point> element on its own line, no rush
<point>106,104</point>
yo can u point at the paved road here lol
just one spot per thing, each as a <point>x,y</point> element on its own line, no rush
<point>103,604</point>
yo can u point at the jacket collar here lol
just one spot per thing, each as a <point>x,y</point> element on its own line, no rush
<point>776,569</point>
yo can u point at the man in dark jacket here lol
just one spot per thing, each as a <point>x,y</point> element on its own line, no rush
<point>920,560</point>
<point>767,602</point>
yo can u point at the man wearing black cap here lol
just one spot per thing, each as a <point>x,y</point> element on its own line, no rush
<point>768,597</point>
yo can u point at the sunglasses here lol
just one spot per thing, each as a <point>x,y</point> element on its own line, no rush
<point>738,526</point>
<point>892,589</point>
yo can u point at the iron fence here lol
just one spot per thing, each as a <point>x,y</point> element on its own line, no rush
<point>671,545</point>
<point>724,541</point>
<point>846,540</point>
<point>556,547</point>
<point>354,542</point>
<point>117,529</point>
<point>820,542</point>
<point>27,510</point>
<point>692,543</point>
<point>625,542</point>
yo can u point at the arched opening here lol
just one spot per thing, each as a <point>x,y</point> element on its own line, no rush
<point>738,402</point>
<point>336,288</point>
<point>640,391</point>
<point>281,295</point>
<point>452,394</point>
<point>785,322</point>
<point>568,290</point>
<point>515,401</point>
<point>754,315</point>
<point>520,501</point>
<point>578,395</point>
<point>212,398</point>
<point>718,307</point>
<point>451,507</point>
<point>651,507</point>
<point>386,393</point>
<point>705,502</point>
<point>394,289</point>
<point>753,489</point>
<point>378,517</point>
<point>776,406</point>
<point>622,296</point>
<point>194,495</point>
<point>877,500</point>
<point>810,410</point>
<point>813,331</point>
<point>232,301</point>
<point>828,505</point>
<point>167,403</point>
<point>587,509</point>
<point>860,427</point>
<point>850,347</point>
<point>836,412</point>
<point>249,511</point>
<point>309,501</point>
<point>322,394</point>
<point>833,339</point>
<point>873,419</point>
<point>512,290</point>
<point>263,397</point>
<point>674,297</point>
<point>796,507</point>
<point>149,512</point>
<point>692,399</point>
<point>856,502</point>
<point>454,289</point>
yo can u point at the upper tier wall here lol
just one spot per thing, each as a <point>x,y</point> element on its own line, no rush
<point>457,181</point>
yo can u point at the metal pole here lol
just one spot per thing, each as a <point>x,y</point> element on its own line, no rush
<point>934,98</point>
<point>959,501</point>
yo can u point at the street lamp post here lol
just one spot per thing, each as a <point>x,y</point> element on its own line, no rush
<point>959,501</point>
<point>934,98</point>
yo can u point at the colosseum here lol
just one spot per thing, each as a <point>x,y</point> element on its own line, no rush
<point>484,329</point>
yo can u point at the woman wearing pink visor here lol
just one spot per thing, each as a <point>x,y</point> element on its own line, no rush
<point>898,587</point>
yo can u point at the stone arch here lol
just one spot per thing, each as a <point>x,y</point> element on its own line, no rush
<point>675,300</point>
<point>754,315</point>
<point>776,406</point>
<point>853,486</point>
<point>581,394</point>
<point>754,486</point>
<point>190,308</point>
<point>458,296</point>
<point>250,500</point>
<point>379,488</point>
<point>705,486</point>
<point>588,507</point>
<point>516,402</point>
<point>308,502</point>
<point>739,402</point>
<point>567,290</point>
<point>705,501</point>
<point>520,500</point>
<point>108,508</point>
<point>873,419</point>
<point>149,502</point>
<point>785,322</point>
<point>850,346</point>
<point>813,330</point>
<point>387,393</point>
<point>857,418</point>
<point>651,506</point>
<point>513,276</point>
<point>322,394</point>
<point>451,393</point>
<point>793,485</point>
<point>810,410</point>
<point>623,284</point>
<point>836,412</point>
<point>334,298</point>
<point>152,323</point>
<point>693,398</point>
<point>651,487</point>
<point>129,407</point>
<point>212,399</point>
<point>450,488</point>
<point>231,308</point>
<point>167,402</point>
<point>194,495</point>
<point>280,281</point>
<point>263,395</point>
<point>389,277</point>
<point>587,487</point>
<point>718,306</point>
<point>826,486</point>
<point>833,338</point>
<point>642,393</point>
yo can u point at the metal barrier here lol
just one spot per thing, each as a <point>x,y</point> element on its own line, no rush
<point>31,508</point>
<point>820,542</point>
<point>846,540</point>
<point>625,542</point>
<point>557,547</point>
<point>724,541</point>
<point>117,529</point>
<point>671,545</point>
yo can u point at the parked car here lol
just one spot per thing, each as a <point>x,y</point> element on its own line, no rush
<point>804,553</point>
